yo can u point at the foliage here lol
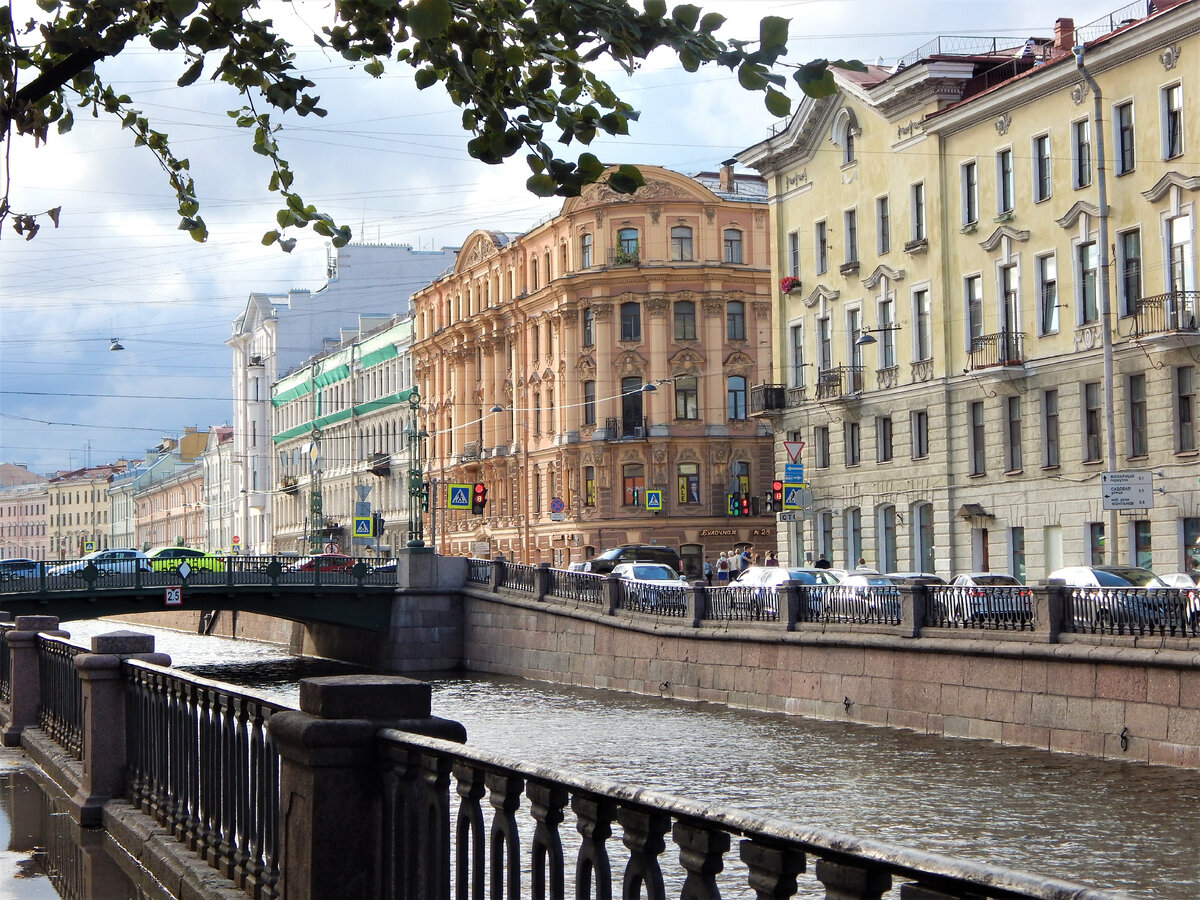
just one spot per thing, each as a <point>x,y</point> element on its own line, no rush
<point>518,69</point>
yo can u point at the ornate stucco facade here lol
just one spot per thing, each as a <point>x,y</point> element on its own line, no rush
<point>603,356</point>
<point>972,430</point>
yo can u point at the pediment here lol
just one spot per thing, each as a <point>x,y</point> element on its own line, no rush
<point>686,362</point>
<point>1004,231</point>
<point>881,272</point>
<point>819,293</point>
<point>1081,207</point>
<point>1172,180</point>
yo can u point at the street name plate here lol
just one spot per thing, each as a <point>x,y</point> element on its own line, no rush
<point>1126,490</point>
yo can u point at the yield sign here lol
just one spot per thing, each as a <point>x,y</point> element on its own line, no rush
<point>793,449</point>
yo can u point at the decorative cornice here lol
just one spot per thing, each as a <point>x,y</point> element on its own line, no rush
<point>819,293</point>
<point>1080,208</point>
<point>1004,231</point>
<point>881,272</point>
<point>1170,180</point>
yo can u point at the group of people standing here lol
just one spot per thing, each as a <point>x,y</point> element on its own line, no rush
<point>729,564</point>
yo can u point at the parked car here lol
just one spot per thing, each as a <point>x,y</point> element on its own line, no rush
<point>1106,576</point>
<point>627,553</point>
<point>646,572</point>
<point>1178,580</point>
<point>772,576</point>
<point>116,561</point>
<point>652,584</point>
<point>167,559</point>
<point>1111,600</point>
<point>988,595</point>
<point>323,562</point>
<point>918,577</point>
<point>18,567</point>
<point>871,594</point>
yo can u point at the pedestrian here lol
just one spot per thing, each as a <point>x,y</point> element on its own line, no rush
<point>772,558</point>
<point>745,560</point>
<point>708,571</point>
<point>863,567</point>
<point>722,569</point>
<point>822,562</point>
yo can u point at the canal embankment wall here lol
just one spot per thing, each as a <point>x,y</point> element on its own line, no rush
<point>1120,698</point>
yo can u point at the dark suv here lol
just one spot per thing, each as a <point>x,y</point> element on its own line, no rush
<point>655,553</point>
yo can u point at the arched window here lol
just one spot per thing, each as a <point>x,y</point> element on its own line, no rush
<point>845,130</point>
<point>685,320</point>
<point>681,243</point>
<point>589,327</point>
<point>733,245</point>
<point>548,275</point>
<point>533,273</point>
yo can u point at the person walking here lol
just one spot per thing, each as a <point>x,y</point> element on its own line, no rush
<point>745,561</point>
<point>708,571</point>
<point>822,562</point>
<point>772,558</point>
<point>722,569</point>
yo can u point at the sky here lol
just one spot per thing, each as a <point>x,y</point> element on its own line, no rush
<point>388,160</point>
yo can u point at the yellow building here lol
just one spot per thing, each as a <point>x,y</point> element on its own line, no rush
<point>594,375</point>
<point>961,225</point>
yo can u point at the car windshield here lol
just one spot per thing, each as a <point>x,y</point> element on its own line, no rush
<point>985,580</point>
<point>1129,575</point>
<point>653,573</point>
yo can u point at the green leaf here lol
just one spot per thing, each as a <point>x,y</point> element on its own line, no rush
<point>750,76</point>
<point>656,9</point>
<point>850,65</point>
<point>191,73</point>
<point>778,103</point>
<point>711,22</point>
<point>424,78</point>
<point>54,214</point>
<point>689,60</point>
<point>815,79</point>
<point>287,245</point>
<point>773,32</point>
<point>429,19</point>
<point>374,68</point>
<point>541,185</point>
<point>181,9</point>
<point>686,15</point>
<point>269,238</point>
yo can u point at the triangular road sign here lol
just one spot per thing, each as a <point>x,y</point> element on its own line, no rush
<point>793,449</point>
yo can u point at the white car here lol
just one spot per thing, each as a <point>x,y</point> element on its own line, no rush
<point>116,561</point>
<point>772,576</point>
<point>652,587</point>
<point>655,572</point>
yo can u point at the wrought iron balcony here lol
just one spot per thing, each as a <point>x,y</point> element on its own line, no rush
<point>380,464</point>
<point>470,451</point>
<point>839,383</point>
<point>767,399</point>
<point>618,429</point>
<point>288,484</point>
<point>1004,348</point>
<point>620,257</point>
<point>1169,313</point>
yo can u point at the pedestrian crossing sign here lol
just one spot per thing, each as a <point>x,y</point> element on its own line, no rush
<point>362,526</point>
<point>791,495</point>
<point>654,501</point>
<point>458,496</point>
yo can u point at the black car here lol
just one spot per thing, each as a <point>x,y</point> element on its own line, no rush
<point>628,553</point>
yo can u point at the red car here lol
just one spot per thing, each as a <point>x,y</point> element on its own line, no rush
<point>325,562</point>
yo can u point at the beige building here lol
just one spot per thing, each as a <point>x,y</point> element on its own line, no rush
<point>78,510</point>
<point>170,510</point>
<point>594,375</point>
<point>23,498</point>
<point>982,354</point>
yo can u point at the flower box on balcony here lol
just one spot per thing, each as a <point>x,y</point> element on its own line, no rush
<point>789,284</point>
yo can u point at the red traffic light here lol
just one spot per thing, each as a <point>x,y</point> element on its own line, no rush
<point>777,491</point>
<point>480,489</point>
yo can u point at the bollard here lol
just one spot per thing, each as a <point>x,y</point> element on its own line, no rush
<point>24,675</point>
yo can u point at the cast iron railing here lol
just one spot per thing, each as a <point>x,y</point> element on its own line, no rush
<point>202,764</point>
<point>61,713</point>
<point>986,606</point>
<point>1133,610</point>
<point>520,577</point>
<point>582,587</point>
<point>1166,313</point>
<point>1004,348</point>
<point>620,429</point>
<point>555,834</point>
<point>839,382</point>
<point>667,598</point>
<point>479,571</point>
<point>767,398</point>
<point>743,602</point>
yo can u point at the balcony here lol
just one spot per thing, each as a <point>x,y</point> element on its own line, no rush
<point>380,464</point>
<point>767,399</point>
<point>840,383</point>
<point>288,484</point>
<point>1003,349</point>
<point>618,257</point>
<point>471,451</point>
<point>1168,314</point>
<point>616,429</point>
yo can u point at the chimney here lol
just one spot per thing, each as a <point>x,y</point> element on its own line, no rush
<point>1064,34</point>
<point>727,176</point>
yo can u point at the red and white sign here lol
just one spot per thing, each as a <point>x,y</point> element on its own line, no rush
<point>793,449</point>
<point>236,539</point>
<point>173,596</point>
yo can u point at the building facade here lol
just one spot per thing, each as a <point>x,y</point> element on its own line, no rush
<point>78,510</point>
<point>593,373</point>
<point>23,520</point>
<point>170,511</point>
<point>1000,324</point>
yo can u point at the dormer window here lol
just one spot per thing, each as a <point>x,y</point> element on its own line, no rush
<point>845,131</point>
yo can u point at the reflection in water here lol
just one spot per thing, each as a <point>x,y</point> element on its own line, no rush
<point>1106,824</point>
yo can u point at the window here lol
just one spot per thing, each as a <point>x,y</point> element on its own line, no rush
<point>1185,408</point>
<point>1123,128</point>
<point>883,225</point>
<point>794,253</point>
<point>681,243</point>
<point>923,335</point>
<point>1172,121</point>
<point>687,397</point>
<point>733,245</point>
<point>1046,272</point>
<point>589,403</point>
<point>1091,421</point>
<point>735,394</point>
<point>978,438</point>
<point>585,251</point>
<point>633,484</point>
<point>821,446</point>
<point>537,413</point>
<point>685,320</point>
<point>589,485</point>
<point>589,328</point>
<point>1182,273</point>
<point>627,246</point>
<point>1081,153</point>
<point>741,475</point>
<point>887,334</point>
<point>1041,168</point>
<point>1095,540</point>
<point>825,534</point>
<point>533,276</point>
<point>886,529</point>
<point>631,321</point>
<point>970,193</point>
<point>735,320</point>
<point>852,532</point>
<point>1050,428</point>
<point>1129,270</point>
<point>535,339</point>
<point>537,492</point>
<point>1086,289</point>
<point>824,344</point>
<point>1142,553</point>
<point>822,248</point>
<point>973,301</point>
<point>919,423</point>
<point>1013,461</point>
<point>1005,194</point>
<point>918,211</point>
<point>883,438</point>
<point>687,479</point>
<point>796,362</point>
<point>1136,404</point>
<point>1191,544</point>
<point>853,439</point>
<point>850,235</point>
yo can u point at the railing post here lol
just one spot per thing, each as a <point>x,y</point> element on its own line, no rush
<point>24,676</point>
<point>542,574</point>
<point>846,881</point>
<point>789,594</point>
<point>1049,609</point>
<point>912,609</point>
<point>331,781</point>
<point>104,749</point>
<point>497,573</point>
<point>612,594</point>
<point>697,603</point>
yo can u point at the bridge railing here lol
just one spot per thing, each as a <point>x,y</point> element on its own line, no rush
<point>742,602</point>
<point>565,835</point>
<point>520,577</point>
<point>61,713</point>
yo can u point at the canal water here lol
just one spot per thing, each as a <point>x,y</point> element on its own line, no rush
<point>1106,824</point>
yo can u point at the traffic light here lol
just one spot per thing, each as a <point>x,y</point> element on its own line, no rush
<point>776,496</point>
<point>425,496</point>
<point>377,524</point>
<point>478,499</point>
<point>734,507</point>
<point>743,504</point>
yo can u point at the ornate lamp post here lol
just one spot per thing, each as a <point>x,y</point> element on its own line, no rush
<point>416,476</point>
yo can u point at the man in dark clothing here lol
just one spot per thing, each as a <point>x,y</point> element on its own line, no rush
<point>822,562</point>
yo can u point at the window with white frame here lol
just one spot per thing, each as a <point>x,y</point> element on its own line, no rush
<point>1005,189</point>
<point>793,240</point>
<point>733,245</point>
<point>585,251</point>
<point>1135,403</point>
<point>973,304</point>
<point>824,344</point>
<point>1123,138</point>
<point>681,243</point>
<point>850,235</point>
<point>977,435</point>
<point>1086,267</point>
<point>821,247</point>
<point>1081,153</point>
<point>884,314</point>
<point>821,446</point>
<point>1046,273</point>
<point>1129,270</point>
<point>1013,435</point>
<point>970,192</point>
<point>796,356</point>
<point>923,326</point>
<point>1182,272</point>
<point>687,397</point>
<point>883,225</point>
<point>1041,168</point>
<point>735,395</point>
<point>1050,439</point>
<point>1092,411</point>
<point>917,201</point>
<point>1172,121</point>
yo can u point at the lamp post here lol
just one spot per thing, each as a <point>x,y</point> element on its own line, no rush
<point>416,478</point>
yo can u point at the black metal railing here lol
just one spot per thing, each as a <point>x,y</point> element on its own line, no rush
<point>1004,348</point>
<point>203,765</point>
<point>520,577</point>
<point>61,712</point>
<point>839,382</point>
<point>668,598</point>
<point>767,398</point>
<point>582,587</point>
<point>1166,313</point>
<point>479,571</point>
<point>995,607</point>
<point>5,664</point>
<point>743,602</point>
<point>628,841</point>
<point>621,429</point>
<point>1133,610</point>
<point>849,604</point>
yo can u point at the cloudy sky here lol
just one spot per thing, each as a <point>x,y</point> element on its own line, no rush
<point>388,160</point>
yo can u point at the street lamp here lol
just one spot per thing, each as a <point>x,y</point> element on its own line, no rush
<point>868,334</point>
<point>416,437</point>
